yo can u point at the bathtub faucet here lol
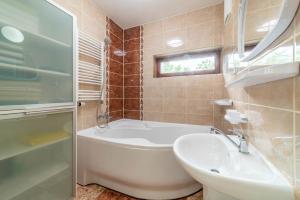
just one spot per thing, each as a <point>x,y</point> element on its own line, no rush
<point>106,117</point>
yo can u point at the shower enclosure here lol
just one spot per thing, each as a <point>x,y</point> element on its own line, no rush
<point>37,101</point>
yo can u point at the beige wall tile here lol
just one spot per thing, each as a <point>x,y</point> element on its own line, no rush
<point>219,11</point>
<point>153,116</point>
<point>200,16</point>
<point>174,117</point>
<point>171,105</point>
<point>199,30</point>
<point>174,92</point>
<point>200,80</point>
<point>218,33</point>
<point>153,105</point>
<point>149,81</point>
<point>238,94</point>
<point>199,107</point>
<point>201,36</point>
<point>154,28</point>
<point>219,90</point>
<point>92,21</point>
<point>297,156</point>
<point>297,193</point>
<point>270,127</point>
<point>297,93</point>
<point>257,4</point>
<point>152,92</point>
<point>275,94</point>
<point>199,93</point>
<point>153,42</point>
<point>148,69</point>
<point>177,81</point>
<point>174,23</point>
<point>174,34</point>
<point>268,131</point>
<point>200,119</point>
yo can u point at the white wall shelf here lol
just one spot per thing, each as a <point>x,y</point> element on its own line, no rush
<point>223,102</point>
<point>264,74</point>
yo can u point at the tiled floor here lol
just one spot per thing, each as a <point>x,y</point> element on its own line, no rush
<point>96,192</point>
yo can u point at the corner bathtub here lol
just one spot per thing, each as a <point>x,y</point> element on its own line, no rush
<point>136,158</point>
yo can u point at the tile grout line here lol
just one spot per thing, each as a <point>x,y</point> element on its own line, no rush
<point>264,106</point>
<point>294,134</point>
<point>294,114</point>
<point>123,75</point>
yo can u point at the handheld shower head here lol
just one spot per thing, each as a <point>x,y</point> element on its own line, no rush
<point>107,42</point>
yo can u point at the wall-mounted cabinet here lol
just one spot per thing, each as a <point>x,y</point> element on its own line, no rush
<point>257,26</point>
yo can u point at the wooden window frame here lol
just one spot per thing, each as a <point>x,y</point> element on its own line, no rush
<point>216,53</point>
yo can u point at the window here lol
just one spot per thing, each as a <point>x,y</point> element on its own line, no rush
<point>207,62</point>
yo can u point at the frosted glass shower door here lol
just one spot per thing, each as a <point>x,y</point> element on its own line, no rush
<point>36,53</point>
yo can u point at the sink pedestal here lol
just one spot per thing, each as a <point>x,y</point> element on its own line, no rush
<point>211,194</point>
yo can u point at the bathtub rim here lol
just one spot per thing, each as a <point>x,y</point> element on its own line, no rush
<point>124,142</point>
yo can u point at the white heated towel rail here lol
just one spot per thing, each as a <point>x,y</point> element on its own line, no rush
<point>90,73</point>
<point>90,46</point>
<point>89,95</point>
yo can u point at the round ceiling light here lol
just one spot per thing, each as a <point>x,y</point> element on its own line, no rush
<point>12,34</point>
<point>177,42</point>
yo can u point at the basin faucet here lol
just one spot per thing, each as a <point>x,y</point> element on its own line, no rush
<point>106,117</point>
<point>242,145</point>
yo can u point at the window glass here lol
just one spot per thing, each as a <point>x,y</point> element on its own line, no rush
<point>189,64</point>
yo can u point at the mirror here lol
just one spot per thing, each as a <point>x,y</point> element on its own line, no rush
<point>260,23</point>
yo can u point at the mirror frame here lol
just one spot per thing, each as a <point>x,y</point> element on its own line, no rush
<point>288,11</point>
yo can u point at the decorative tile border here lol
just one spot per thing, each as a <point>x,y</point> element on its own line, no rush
<point>141,72</point>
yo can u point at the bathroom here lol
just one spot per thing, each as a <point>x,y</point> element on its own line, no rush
<point>149,99</point>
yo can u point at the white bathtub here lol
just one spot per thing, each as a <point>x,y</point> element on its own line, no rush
<point>136,158</point>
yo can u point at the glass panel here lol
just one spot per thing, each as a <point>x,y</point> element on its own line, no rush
<point>36,53</point>
<point>36,157</point>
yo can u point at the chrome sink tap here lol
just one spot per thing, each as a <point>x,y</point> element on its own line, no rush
<point>242,145</point>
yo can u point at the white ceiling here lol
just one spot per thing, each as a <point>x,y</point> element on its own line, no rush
<point>130,13</point>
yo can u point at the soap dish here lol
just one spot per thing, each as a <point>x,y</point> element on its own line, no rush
<point>223,102</point>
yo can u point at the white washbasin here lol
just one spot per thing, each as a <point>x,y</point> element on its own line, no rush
<point>216,163</point>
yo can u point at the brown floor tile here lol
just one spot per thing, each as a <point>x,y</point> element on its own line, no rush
<point>96,192</point>
<point>89,192</point>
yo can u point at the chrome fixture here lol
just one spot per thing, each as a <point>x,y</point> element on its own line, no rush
<point>119,53</point>
<point>242,145</point>
<point>107,42</point>
<point>106,117</point>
